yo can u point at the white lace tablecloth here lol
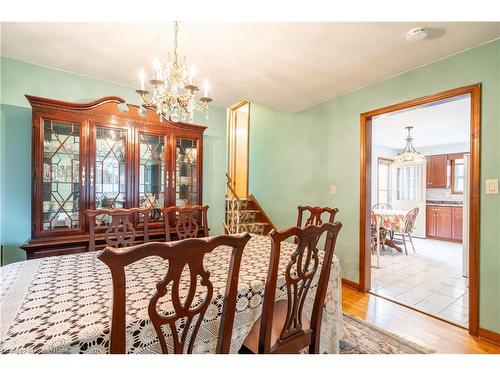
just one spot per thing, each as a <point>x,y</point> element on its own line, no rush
<point>63,304</point>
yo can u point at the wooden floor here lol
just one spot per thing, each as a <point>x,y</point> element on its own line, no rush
<point>433,333</point>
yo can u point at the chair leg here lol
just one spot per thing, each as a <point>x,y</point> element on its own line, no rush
<point>411,241</point>
<point>404,243</point>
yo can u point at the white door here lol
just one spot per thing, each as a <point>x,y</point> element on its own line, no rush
<point>408,191</point>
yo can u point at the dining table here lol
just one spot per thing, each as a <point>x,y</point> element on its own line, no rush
<point>62,304</point>
<point>391,220</point>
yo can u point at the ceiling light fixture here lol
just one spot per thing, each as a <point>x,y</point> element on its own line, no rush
<point>174,92</point>
<point>417,34</point>
<point>408,153</point>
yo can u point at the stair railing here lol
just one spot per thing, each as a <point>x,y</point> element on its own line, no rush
<point>233,209</point>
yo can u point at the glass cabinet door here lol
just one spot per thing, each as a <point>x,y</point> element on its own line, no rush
<point>109,174</point>
<point>61,176</point>
<point>152,173</point>
<point>186,172</point>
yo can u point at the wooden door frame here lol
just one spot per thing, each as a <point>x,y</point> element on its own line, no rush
<point>474,194</point>
<point>231,163</point>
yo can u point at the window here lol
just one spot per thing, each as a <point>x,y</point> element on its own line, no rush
<point>409,182</point>
<point>384,181</point>
<point>457,175</point>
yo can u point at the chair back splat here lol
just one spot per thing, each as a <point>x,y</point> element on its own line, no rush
<point>180,255</point>
<point>120,232</point>
<point>315,214</point>
<point>186,221</point>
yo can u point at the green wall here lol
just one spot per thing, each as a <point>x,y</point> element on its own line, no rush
<point>294,158</point>
<point>19,78</point>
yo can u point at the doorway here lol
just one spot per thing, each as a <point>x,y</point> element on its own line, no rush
<point>238,138</point>
<point>405,185</point>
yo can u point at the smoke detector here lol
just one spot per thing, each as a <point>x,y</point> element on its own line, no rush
<point>417,34</point>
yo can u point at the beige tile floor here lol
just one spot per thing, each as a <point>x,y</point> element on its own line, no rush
<point>430,281</point>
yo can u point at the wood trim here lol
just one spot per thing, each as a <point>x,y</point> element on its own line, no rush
<point>490,336</point>
<point>350,284</point>
<point>365,197</point>
<point>475,190</point>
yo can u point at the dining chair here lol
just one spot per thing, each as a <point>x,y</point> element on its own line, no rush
<point>187,313</point>
<point>120,232</point>
<point>382,233</point>
<point>382,206</point>
<point>282,327</point>
<point>407,228</point>
<point>315,214</point>
<point>186,221</point>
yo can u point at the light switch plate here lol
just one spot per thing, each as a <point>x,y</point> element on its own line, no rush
<point>491,186</point>
<point>333,189</point>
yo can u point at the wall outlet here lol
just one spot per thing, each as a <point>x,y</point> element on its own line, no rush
<point>333,189</point>
<point>491,186</point>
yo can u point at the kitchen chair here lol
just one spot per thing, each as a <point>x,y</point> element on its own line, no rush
<point>186,220</point>
<point>383,233</point>
<point>381,206</point>
<point>315,214</point>
<point>183,254</point>
<point>282,327</point>
<point>407,228</point>
<point>120,232</point>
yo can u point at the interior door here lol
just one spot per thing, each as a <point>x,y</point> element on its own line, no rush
<point>409,191</point>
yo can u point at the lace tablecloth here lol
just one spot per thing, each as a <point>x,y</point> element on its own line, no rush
<point>63,304</point>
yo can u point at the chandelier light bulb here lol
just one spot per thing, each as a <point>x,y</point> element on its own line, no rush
<point>156,67</point>
<point>205,86</point>
<point>142,78</point>
<point>192,72</point>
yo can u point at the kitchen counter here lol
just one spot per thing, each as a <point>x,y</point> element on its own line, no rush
<point>444,203</point>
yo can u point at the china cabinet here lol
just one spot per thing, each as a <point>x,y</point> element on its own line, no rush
<point>103,155</point>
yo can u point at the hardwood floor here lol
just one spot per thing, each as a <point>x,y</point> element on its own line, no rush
<point>431,332</point>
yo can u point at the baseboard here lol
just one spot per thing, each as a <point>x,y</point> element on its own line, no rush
<point>350,284</point>
<point>490,336</point>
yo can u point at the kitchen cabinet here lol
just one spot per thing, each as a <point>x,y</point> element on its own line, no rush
<point>444,223</point>
<point>437,171</point>
<point>456,225</point>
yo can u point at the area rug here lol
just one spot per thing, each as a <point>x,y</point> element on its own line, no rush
<point>362,337</point>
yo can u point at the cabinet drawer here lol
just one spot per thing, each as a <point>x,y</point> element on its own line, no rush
<point>43,253</point>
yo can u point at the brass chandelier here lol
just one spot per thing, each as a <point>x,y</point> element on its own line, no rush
<point>409,153</point>
<point>173,94</point>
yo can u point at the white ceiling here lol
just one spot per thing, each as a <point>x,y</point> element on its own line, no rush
<point>286,66</point>
<point>438,124</point>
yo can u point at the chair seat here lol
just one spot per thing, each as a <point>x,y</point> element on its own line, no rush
<point>280,309</point>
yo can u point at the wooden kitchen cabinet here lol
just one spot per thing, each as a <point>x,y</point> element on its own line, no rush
<point>456,225</point>
<point>444,223</point>
<point>437,171</point>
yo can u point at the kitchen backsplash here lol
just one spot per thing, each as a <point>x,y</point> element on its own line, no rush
<point>443,195</point>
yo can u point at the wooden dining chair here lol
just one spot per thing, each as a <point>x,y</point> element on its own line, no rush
<point>407,228</point>
<point>188,314</point>
<point>315,214</point>
<point>120,232</point>
<point>282,327</point>
<point>186,220</point>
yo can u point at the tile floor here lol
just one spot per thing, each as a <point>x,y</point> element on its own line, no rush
<point>430,281</point>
